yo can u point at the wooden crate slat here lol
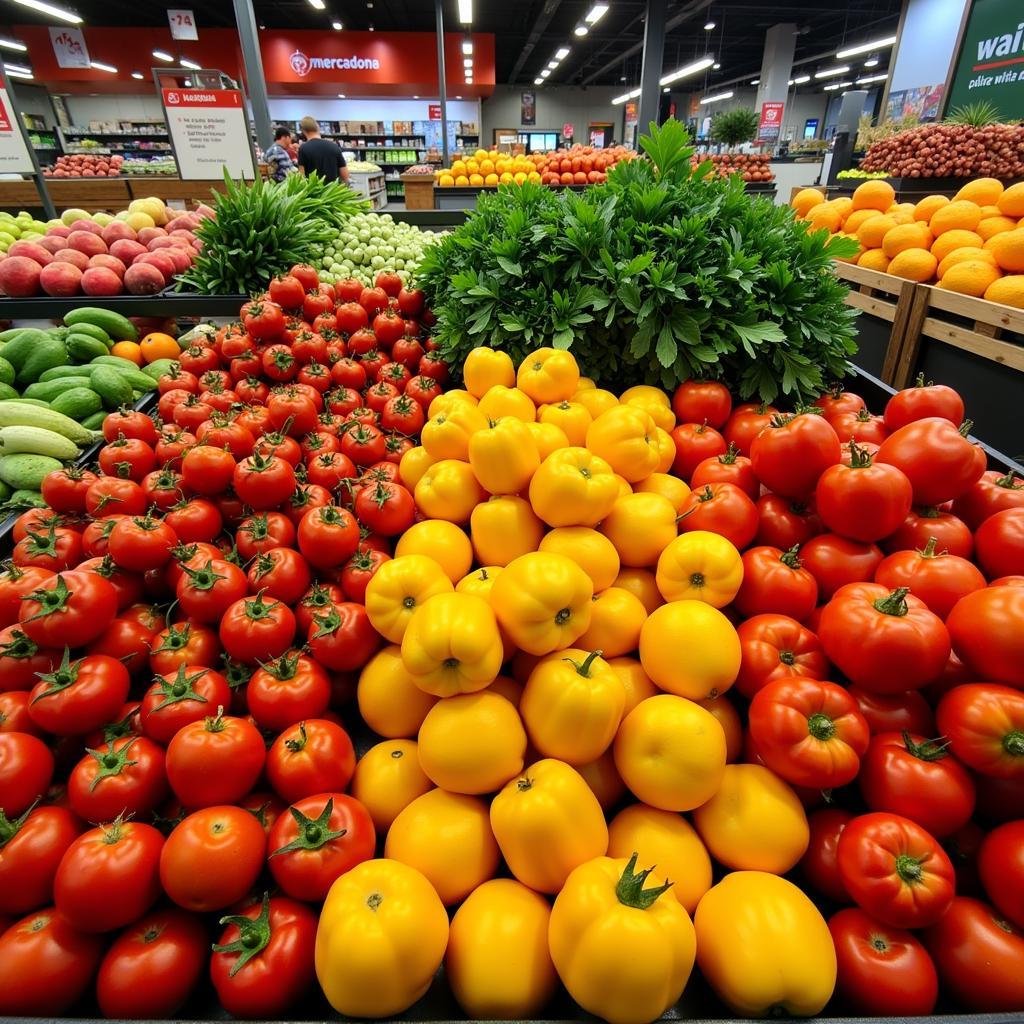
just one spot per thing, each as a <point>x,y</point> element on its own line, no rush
<point>901,359</point>
<point>874,306</point>
<point>1003,352</point>
<point>1004,317</point>
<point>861,276</point>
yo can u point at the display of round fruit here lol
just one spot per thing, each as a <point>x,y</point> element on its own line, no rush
<point>749,166</point>
<point>85,165</point>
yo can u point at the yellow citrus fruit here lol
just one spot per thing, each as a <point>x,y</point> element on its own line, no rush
<point>491,179</point>
<point>959,215</point>
<point>856,218</point>
<point>805,199</point>
<point>968,252</point>
<point>1008,249</point>
<point>873,230</point>
<point>915,235</point>
<point>505,178</point>
<point>473,167</point>
<point>914,264</point>
<point>873,195</point>
<point>128,350</point>
<point>824,216</point>
<point>520,177</point>
<point>989,226</point>
<point>927,207</point>
<point>982,191</point>
<point>462,181</point>
<point>1008,290</point>
<point>844,204</point>
<point>874,259</point>
<point>446,181</point>
<point>1011,202</point>
<point>458,167</point>
<point>971,277</point>
<point>476,179</point>
<point>901,216</point>
<point>955,239</point>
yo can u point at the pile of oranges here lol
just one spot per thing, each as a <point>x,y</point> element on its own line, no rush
<point>972,243</point>
<point>580,165</point>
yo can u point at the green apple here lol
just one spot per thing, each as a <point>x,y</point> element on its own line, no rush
<point>103,219</point>
<point>68,217</point>
<point>39,226</point>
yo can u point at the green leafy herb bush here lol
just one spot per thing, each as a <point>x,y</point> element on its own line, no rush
<point>662,274</point>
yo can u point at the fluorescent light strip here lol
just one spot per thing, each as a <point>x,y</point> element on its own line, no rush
<point>596,13</point>
<point>872,78</point>
<point>538,81</point>
<point>685,72</point>
<point>871,62</point>
<point>52,10</point>
<point>831,72</point>
<point>716,98</point>
<point>138,75</point>
<point>545,73</point>
<point>878,44</point>
<point>336,25</point>
<point>13,44</point>
<point>756,81</point>
<point>16,71</point>
<point>100,66</point>
<point>800,81</point>
<point>317,5</point>
<point>467,46</point>
<point>466,11</point>
<point>838,85</point>
<point>709,26</point>
<point>580,30</point>
<point>163,55</point>
<point>561,53</point>
<point>626,96</point>
<point>190,64</point>
<point>552,64</point>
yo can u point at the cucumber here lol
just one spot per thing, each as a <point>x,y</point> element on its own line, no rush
<point>5,491</point>
<point>36,441</point>
<point>93,332</point>
<point>139,381</point>
<point>78,403</point>
<point>48,390</point>
<point>6,372</point>
<point>95,421</point>
<point>111,386</point>
<point>84,347</point>
<point>66,371</point>
<point>115,361</point>
<point>120,328</point>
<point>44,356</point>
<point>159,367</point>
<point>10,334</point>
<point>24,498</point>
<point>26,472</point>
<point>31,401</point>
<point>19,348</point>
<point>16,414</point>
<point>7,393</point>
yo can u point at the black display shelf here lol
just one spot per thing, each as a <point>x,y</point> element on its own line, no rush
<point>166,303</point>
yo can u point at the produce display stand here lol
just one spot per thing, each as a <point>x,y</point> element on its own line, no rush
<point>166,303</point>
<point>909,189</point>
<point>106,194</point>
<point>419,191</point>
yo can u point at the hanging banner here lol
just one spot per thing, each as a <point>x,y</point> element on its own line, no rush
<point>434,111</point>
<point>14,157</point>
<point>69,47</point>
<point>183,24</point>
<point>990,67</point>
<point>771,121</point>
<point>568,130</point>
<point>529,108</point>
<point>209,131</point>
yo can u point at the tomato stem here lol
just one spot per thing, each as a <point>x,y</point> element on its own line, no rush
<point>630,889</point>
<point>583,667</point>
<point>9,829</point>
<point>821,726</point>
<point>791,558</point>
<point>181,689</point>
<point>253,936</point>
<point>111,761</point>
<point>1013,743</point>
<point>313,832</point>
<point>909,869</point>
<point>894,603</point>
<point>65,676</point>
<point>927,750</point>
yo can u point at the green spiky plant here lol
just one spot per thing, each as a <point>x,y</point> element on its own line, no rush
<point>977,115</point>
<point>733,127</point>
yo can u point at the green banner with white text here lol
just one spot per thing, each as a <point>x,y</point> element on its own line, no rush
<point>990,67</point>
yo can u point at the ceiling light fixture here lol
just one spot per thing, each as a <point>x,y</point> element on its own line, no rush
<point>872,78</point>
<point>466,11</point>
<point>467,62</point>
<point>756,81</point>
<point>716,66</point>
<point>801,80</point>
<point>626,96</point>
<point>415,97</point>
<point>666,89</point>
<point>467,47</point>
<point>458,97</point>
<point>877,44</point>
<point>545,73</point>
<point>51,9</point>
<point>717,97</point>
<point>552,64</point>
<point>100,66</point>
<point>561,53</point>
<point>709,26</point>
<point>163,55</point>
<point>13,44</point>
<point>18,74</point>
<point>317,5</point>
<point>832,72</point>
<point>336,25</point>
<point>138,76</point>
<point>596,13</point>
<point>685,72</point>
<point>538,81</point>
<point>341,95</point>
<point>871,62</point>
<point>838,85</point>
<point>191,64</point>
<point>580,30</point>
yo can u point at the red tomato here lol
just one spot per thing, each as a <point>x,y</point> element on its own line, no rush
<point>141,543</point>
<point>45,965</point>
<point>938,579</point>
<point>861,427</point>
<point>694,443</point>
<point>288,292</point>
<point>263,963</point>
<point>837,401</point>
<point>728,468</point>
<point>195,520</point>
<point>423,389</point>
<point>186,644</point>
<point>321,838</point>
<point>784,524</point>
<point>254,630</point>
<point>358,572</point>
<point>127,458</point>
<point>894,712</point>
<point>330,469</point>
<point>278,363</point>
<point>698,401</point>
<point>349,290</point>
<point>14,715</point>
<point>342,638</point>
<point>207,470</point>
<point>281,445</point>
<point>263,320</point>
<point>172,446</point>
<point>386,508</point>
<point>310,757</point>
<point>776,647</point>
<point>126,776</point>
<point>347,373</point>
<point>373,300</point>
<point>207,588</point>
<point>410,301</point>
<point>723,509</point>
<point>262,532</point>
<point>153,966</point>
<point>432,365</point>
<point>999,543</point>
<point>895,870</point>
<point>55,548</point>
<point>282,573</point>
<point>994,492</point>
<point>882,971</point>
<point>31,850</point>
<point>984,723</point>
<point>922,401</point>
<point>328,536</point>
<point>288,690</point>
<point>986,633</point>
<point>212,858</point>
<point>187,694</point>
<point>885,642</point>
<point>978,955</point>
<point>110,495</point>
<point>818,865</point>
<point>233,435</point>
<point>16,583</point>
<point>64,489</point>
<point>293,411</point>
<point>407,352</point>
<point>79,696</point>
<point>952,535</point>
<point>775,581</point>
<point>318,598</point>
<point>215,761</point>
<point>809,732</point>
<point>22,660</point>
<point>939,461</point>
<point>305,498</point>
<point>1001,866</point>
<point>792,452</point>
<point>364,444</point>
<point>835,561</point>
<point>263,483</point>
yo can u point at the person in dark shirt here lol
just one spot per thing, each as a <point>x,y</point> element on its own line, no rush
<point>320,155</point>
<point>277,155</point>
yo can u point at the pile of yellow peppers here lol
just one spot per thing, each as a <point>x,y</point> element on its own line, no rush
<point>549,545</point>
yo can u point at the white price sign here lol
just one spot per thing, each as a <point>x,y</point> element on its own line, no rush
<point>69,47</point>
<point>183,25</point>
<point>14,157</point>
<point>210,131</point>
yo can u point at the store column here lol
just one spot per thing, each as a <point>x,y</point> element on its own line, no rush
<point>255,80</point>
<point>650,68</point>
<point>776,71</point>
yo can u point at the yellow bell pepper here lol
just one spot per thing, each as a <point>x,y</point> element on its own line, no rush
<point>647,393</point>
<point>667,486</point>
<point>388,778</point>
<point>625,437</point>
<point>381,938</point>
<point>753,801</point>
<point>415,462</point>
<point>390,703</point>
<point>593,552</point>
<point>616,619</point>
<point>548,438</point>
<point>448,401</point>
<point>547,822</point>
<point>623,948</point>
<point>666,450</point>
<point>503,529</point>
<point>479,581</point>
<point>440,540</point>
<point>659,411</point>
<point>572,705</point>
<point>700,566</point>
<point>690,649</point>
<point>446,435</point>
<point>543,602</point>
<point>548,375</point>
<point>640,583</point>
<point>640,525</point>
<point>586,384</point>
<point>764,947</point>
<point>486,367</point>
<point>503,456</point>
<point>498,963</point>
<point>635,680</point>
<point>572,417</point>
<point>449,490</point>
<point>452,645</point>
<point>595,400</point>
<point>573,487</point>
<point>398,588</point>
<point>668,840</point>
<point>502,401</point>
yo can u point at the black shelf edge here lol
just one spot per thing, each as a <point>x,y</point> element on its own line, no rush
<point>188,304</point>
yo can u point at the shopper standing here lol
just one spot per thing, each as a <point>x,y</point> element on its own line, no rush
<point>320,155</point>
<point>277,155</point>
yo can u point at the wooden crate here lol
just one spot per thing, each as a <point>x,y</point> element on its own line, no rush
<point>419,191</point>
<point>19,195</point>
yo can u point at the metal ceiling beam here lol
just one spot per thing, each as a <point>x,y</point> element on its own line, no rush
<point>542,22</point>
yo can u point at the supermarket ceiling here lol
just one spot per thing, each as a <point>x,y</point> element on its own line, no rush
<point>529,32</point>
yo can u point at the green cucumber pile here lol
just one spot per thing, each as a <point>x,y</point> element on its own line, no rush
<point>56,386</point>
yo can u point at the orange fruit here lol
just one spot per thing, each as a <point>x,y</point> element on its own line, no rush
<point>914,235</point>
<point>928,206</point>
<point>823,216</point>
<point>1008,249</point>
<point>1008,290</point>
<point>159,346</point>
<point>491,179</point>
<point>972,277</point>
<point>873,195</point>
<point>476,179</point>
<point>982,191</point>
<point>856,218</point>
<point>461,180</point>
<point>446,181</point>
<point>955,239</point>
<point>968,252</point>
<point>872,231</point>
<point>989,226</point>
<point>914,265</point>
<point>960,215</point>
<point>990,211</point>
<point>1011,202</point>
<point>128,350</point>
<point>844,204</point>
<point>805,199</point>
<point>901,216</point>
<point>874,259</point>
